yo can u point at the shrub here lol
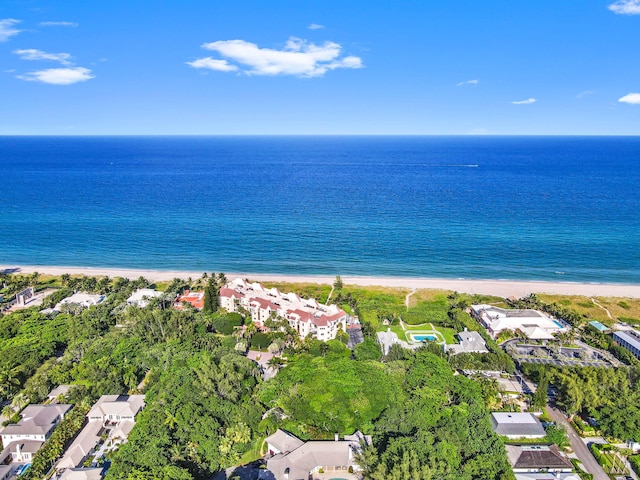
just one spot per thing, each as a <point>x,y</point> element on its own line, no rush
<point>260,341</point>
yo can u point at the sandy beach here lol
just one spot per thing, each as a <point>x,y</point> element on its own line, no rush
<point>504,288</point>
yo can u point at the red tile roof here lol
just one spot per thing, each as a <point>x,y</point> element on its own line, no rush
<point>230,292</point>
<point>196,299</point>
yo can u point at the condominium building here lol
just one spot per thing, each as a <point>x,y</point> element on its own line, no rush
<point>305,316</point>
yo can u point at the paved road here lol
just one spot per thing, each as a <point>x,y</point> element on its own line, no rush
<point>580,449</point>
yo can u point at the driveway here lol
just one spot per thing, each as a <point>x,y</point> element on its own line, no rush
<point>578,446</point>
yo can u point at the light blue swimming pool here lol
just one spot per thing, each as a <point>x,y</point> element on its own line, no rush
<point>22,469</point>
<point>424,338</point>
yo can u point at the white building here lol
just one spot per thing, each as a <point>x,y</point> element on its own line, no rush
<point>37,423</point>
<point>305,316</point>
<point>289,458</point>
<point>141,297</point>
<point>81,474</point>
<point>85,300</point>
<point>517,425</point>
<point>113,409</point>
<point>532,323</point>
<point>470,342</point>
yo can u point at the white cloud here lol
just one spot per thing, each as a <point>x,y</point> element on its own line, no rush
<point>626,7</point>
<point>58,24</point>
<point>298,57</point>
<point>59,76</point>
<point>586,93</point>
<point>213,64</point>
<point>315,26</point>
<point>524,102</point>
<point>34,54</point>
<point>468,82</point>
<point>6,28</point>
<point>632,98</point>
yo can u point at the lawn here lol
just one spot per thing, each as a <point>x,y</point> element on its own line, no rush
<point>448,334</point>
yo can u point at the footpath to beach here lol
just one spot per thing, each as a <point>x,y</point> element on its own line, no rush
<point>503,288</point>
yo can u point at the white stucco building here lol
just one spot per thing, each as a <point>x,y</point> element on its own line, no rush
<point>305,316</point>
<point>532,323</point>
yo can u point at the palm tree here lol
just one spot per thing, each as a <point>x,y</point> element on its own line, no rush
<point>8,411</point>
<point>171,420</point>
<point>8,380</point>
<point>20,401</point>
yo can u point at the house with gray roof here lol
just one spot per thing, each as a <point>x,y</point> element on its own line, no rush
<point>537,458</point>
<point>113,409</point>
<point>37,423</point>
<point>292,459</point>
<point>470,342</point>
<point>517,425</point>
<point>81,474</point>
<point>23,450</point>
<point>5,472</point>
<point>388,339</point>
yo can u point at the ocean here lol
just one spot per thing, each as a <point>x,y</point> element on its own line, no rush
<point>526,208</point>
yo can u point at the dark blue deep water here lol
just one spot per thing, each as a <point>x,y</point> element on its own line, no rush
<point>544,208</point>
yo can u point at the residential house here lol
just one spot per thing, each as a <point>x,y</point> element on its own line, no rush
<point>37,423</point>
<point>112,409</point>
<point>23,450</point>
<point>531,323</point>
<point>5,472</point>
<point>305,316</point>
<point>195,299</point>
<point>116,414</point>
<point>84,300</point>
<point>517,425</point>
<point>470,342</point>
<point>58,392</point>
<point>80,474</point>
<point>537,459</point>
<point>388,339</point>
<point>292,459</point>
<point>141,297</point>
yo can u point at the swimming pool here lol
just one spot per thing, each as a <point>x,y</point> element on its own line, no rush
<point>22,469</point>
<point>424,338</point>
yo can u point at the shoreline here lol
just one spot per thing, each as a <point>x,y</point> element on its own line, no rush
<point>503,288</point>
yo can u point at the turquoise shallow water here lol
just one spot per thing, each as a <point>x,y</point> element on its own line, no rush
<point>541,208</point>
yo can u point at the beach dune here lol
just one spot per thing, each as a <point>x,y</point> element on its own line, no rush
<point>503,288</point>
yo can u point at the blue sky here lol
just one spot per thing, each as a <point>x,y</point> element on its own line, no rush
<point>320,67</point>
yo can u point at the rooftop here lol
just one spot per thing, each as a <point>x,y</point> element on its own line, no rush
<point>537,456</point>
<point>632,337</point>
<point>516,424</point>
<point>120,405</point>
<point>37,420</point>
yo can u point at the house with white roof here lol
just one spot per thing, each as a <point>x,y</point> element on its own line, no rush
<point>305,316</point>
<point>470,342</point>
<point>290,458</point>
<point>84,300</point>
<point>532,323</point>
<point>37,423</point>
<point>517,425</point>
<point>141,297</point>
